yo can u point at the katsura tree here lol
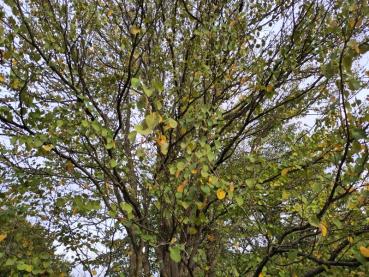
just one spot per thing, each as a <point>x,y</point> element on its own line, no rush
<point>190,138</point>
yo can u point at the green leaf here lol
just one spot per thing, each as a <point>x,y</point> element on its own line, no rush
<point>358,133</point>
<point>10,261</point>
<point>113,163</point>
<point>354,84</point>
<point>85,123</point>
<point>175,253</point>
<point>135,82</point>
<point>110,145</point>
<point>239,200</point>
<point>147,91</point>
<point>250,183</point>
<point>132,136</point>
<point>126,207</point>
<point>152,120</point>
<point>142,130</point>
<point>314,221</point>
<point>96,126</point>
<point>158,85</point>
<point>24,267</point>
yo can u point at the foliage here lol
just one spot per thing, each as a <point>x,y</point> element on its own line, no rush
<point>26,249</point>
<point>167,136</point>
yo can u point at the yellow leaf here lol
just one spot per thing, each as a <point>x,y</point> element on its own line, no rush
<point>161,139</point>
<point>364,251</point>
<point>134,30</point>
<point>352,22</point>
<point>94,272</point>
<point>69,166</point>
<point>284,171</point>
<point>221,194</point>
<point>211,237</point>
<point>2,79</point>
<point>269,88</point>
<point>47,147</point>
<point>350,240</point>
<point>181,187</point>
<point>110,12</point>
<point>2,237</point>
<point>192,231</point>
<point>194,171</point>
<point>171,124</point>
<point>164,148</point>
<point>231,187</point>
<point>261,274</point>
<point>323,229</point>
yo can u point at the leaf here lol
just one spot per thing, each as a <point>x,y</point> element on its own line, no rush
<point>2,237</point>
<point>285,195</point>
<point>84,123</point>
<point>69,166</point>
<point>10,262</point>
<point>364,251</point>
<point>110,145</point>
<point>314,221</point>
<point>132,136</point>
<point>113,163</point>
<point>161,139</point>
<point>24,267</point>
<point>192,230</point>
<point>221,194</point>
<point>126,207</point>
<point>181,187</point>
<point>152,120</point>
<point>147,91</point>
<point>95,125</point>
<point>171,123</point>
<point>175,253</point>
<point>142,130</point>
<point>164,148</point>
<point>135,82</point>
<point>239,200</point>
<point>323,229</point>
<point>284,172</point>
<point>47,147</point>
<point>269,88</point>
<point>158,85</point>
<point>250,182</point>
<point>134,30</point>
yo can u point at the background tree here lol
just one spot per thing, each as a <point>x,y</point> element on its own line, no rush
<point>162,136</point>
<point>27,249</point>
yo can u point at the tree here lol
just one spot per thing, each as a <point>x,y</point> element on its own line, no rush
<point>27,248</point>
<point>167,136</point>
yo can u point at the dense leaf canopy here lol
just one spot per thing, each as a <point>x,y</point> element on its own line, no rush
<point>189,138</point>
<point>27,248</point>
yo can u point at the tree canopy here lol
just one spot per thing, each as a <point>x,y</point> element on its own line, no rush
<point>189,138</point>
<point>27,248</point>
